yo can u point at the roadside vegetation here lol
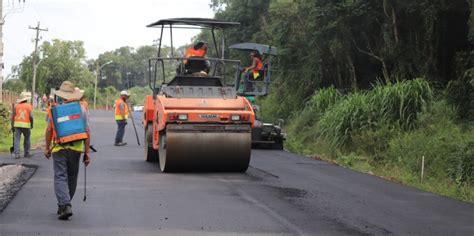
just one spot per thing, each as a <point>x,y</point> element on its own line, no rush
<point>66,60</point>
<point>387,131</point>
<point>371,85</point>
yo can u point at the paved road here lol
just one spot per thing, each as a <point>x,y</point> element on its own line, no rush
<point>281,194</point>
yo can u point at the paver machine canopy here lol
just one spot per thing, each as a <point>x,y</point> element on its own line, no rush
<point>260,84</point>
<point>265,135</point>
<point>199,123</point>
<point>190,23</point>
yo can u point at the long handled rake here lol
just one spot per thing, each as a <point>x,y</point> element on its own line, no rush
<point>133,123</point>
<point>85,176</point>
<point>85,183</point>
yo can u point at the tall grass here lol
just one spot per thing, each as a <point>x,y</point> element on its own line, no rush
<point>447,147</point>
<point>395,105</point>
<point>388,130</point>
<point>400,102</point>
<point>324,99</point>
<point>350,115</point>
<point>305,122</point>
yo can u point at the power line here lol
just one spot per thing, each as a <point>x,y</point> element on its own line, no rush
<point>36,12</point>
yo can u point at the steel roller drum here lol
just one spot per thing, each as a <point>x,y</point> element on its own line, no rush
<point>205,150</point>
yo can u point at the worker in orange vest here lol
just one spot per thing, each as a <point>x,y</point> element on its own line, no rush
<point>22,123</point>
<point>121,116</point>
<point>199,50</point>
<point>254,71</point>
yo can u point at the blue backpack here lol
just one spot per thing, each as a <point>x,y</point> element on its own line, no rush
<point>69,122</point>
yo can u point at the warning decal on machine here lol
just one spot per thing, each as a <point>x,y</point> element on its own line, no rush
<point>66,118</point>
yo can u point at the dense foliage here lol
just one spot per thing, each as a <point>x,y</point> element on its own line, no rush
<point>14,85</point>
<point>346,84</point>
<point>62,60</point>
<point>65,60</point>
<point>354,44</point>
<point>128,67</point>
<point>4,121</point>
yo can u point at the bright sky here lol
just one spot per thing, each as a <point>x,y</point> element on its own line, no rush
<point>103,25</point>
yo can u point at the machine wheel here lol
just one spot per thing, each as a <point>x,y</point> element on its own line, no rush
<point>203,152</point>
<point>278,145</point>
<point>150,153</point>
<point>162,152</point>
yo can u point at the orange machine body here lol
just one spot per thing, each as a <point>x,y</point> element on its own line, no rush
<point>148,110</point>
<point>199,111</point>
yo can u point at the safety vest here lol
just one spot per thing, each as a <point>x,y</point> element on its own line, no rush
<point>69,129</point>
<point>258,68</point>
<point>77,146</point>
<point>22,115</point>
<point>118,114</point>
<point>191,52</point>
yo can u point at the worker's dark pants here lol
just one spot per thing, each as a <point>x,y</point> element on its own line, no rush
<point>120,130</point>
<point>26,142</point>
<point>66,170</point>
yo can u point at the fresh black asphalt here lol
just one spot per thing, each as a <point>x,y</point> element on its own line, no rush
<point>280,194</point>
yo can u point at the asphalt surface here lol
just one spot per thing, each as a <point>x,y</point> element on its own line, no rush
<point>280,194</point>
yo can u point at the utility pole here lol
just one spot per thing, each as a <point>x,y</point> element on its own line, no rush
<point>97,72</point>
<point>128,80</point>
<point>35,55</point>
<point>96,81</point>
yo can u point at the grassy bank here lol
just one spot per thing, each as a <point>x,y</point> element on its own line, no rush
<point>387,131</point>
<point>37,133</point>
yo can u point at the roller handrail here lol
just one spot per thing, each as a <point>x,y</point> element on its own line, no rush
<point>161,61</point>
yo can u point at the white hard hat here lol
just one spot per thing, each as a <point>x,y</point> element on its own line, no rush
<point>124,92</point>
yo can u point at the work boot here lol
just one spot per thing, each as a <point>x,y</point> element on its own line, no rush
<point>65,212</point>
<point>60,209</point>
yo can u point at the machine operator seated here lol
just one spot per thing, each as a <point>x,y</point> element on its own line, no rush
<point>253,72</point>
<point>196,67</point>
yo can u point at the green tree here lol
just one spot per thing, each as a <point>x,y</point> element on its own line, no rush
<point>108,96</point>
<point>352,44</point>
<point>129,66</point>
<point>15,85</point>
<point>62,60</point>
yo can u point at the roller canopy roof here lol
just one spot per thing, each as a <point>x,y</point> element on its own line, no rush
<point>201,22</point>
<point>261,48</point>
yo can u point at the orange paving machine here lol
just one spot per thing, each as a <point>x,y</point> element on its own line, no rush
<point>196,121</point>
